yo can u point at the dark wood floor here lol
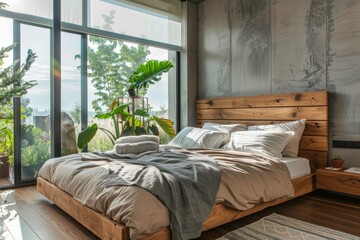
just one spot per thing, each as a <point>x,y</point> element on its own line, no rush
<point>27,215</point>
<point>326,209</point>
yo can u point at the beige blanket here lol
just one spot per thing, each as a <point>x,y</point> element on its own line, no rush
<point>247,179</point>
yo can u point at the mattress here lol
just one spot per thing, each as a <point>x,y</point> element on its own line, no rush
<point>298,166</point>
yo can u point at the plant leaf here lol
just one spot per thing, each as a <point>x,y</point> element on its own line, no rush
<point>119,109</point>
<point>103,115</point>
<point>115,111</point>
<point>155,130</point>
<point>86,135</point>
<point>166,125</point>
<point>141,113</point>
<point>149,73</point>
<point>127,131</point>
<point>139,131</point>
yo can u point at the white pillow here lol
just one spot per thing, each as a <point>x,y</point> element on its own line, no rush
<point>191,137</point>
<point>292,148</point>
<point>266,142</point>
<point>225,128</point>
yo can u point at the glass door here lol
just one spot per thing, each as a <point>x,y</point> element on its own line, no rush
<point>35,105</point>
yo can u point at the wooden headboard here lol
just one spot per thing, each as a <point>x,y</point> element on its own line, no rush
<point>276,108</point>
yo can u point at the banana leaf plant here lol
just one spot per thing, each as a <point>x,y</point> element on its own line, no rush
<point>126,124</point>
<point>147,73</point>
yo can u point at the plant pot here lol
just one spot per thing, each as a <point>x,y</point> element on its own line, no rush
<point>4,167</point>
<point>132,92</point>
<point>337,163</point>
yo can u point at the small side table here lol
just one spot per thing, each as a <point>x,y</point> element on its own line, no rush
<point>338,181</point>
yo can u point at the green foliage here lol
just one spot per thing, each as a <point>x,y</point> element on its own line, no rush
<point>35,154</point>
<point>6,131</point>
<point>337,157</point>
<point>86,135</point>
<point>27,137</point>
<point>126,124</point>
<point>166,125</point>
<point>111,63</point>
<point>149,73</point>
<point>6,139</point>
<point>11,83</point>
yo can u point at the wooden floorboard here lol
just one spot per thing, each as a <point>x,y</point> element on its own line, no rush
<point>335,211</point>
<point>26,214</point>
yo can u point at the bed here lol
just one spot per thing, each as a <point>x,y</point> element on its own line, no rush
<point>253,110</point>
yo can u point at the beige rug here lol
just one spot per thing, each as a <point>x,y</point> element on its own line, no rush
<point>277,226</point>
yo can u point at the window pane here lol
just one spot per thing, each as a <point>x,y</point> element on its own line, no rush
<point>35,132</point>
<point>6,111</point>
<point>40,8</point>
<point>71,11</point>
<point>70,91</point>
<point>110,64</point>
<point>118,17</point>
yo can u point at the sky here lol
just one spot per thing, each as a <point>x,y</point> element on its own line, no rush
<point>38,39</point>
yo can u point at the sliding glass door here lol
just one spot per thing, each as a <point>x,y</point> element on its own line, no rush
<point>34,127</point>
<point>34,123</point>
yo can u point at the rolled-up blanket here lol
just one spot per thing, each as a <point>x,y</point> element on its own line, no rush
<point>135,150</point>
<point>138,139</point>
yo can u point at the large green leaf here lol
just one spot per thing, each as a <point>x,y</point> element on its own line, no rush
<point>103,115</point>
<point>149,73</point>
<point>141,113</point>
<point>119,109</point>
<point>166,125</point>
<point>86,135</point>
<point>115,111</point>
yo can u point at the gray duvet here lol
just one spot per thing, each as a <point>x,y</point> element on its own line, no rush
<point>246,179</point>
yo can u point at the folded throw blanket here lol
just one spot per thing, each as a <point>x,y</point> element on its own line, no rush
<point>134,150</point>
<point>137,139</point>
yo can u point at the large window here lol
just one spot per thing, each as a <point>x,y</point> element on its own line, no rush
<point>102,43</point>
<point>110,63</point>
<point>136,20</point>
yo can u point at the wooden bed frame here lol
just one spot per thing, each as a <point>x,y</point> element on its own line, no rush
<point>252,110</point>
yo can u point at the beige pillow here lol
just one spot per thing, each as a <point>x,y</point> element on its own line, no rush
<point>292,148</point>
<point>265,142</point>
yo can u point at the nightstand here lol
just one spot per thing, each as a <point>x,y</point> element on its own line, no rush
<point>338,181</point>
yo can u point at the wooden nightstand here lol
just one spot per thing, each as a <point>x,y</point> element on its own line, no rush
<point>338,181</point>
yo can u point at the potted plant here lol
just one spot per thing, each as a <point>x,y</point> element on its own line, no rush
<point>128,123</point>
<point>337,161</point>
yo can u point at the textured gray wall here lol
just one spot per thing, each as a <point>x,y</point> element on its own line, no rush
<point>248,47</point>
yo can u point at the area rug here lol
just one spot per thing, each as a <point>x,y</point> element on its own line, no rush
<point>277,226</point>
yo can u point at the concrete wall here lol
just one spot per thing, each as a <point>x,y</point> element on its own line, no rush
<point>248,47</point>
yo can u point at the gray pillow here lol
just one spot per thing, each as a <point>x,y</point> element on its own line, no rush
<point>292,148</point>
<point>191,137</point>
